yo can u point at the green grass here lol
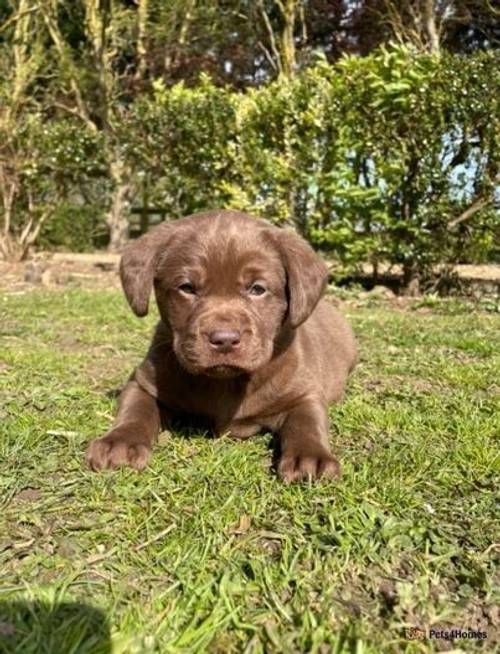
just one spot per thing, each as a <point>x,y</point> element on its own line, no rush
<point>206,551</point>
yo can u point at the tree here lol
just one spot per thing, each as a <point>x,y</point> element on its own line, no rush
<point>21,59</point>
<point>430,25</point>
<point>92,93</point>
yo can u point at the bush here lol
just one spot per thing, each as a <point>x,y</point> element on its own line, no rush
<point>44,167</point>
<point>74,228</point>
<point>178,143</point>
<point>372,159</point>
<point>392,157</point>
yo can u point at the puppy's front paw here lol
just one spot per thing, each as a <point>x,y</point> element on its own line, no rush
<point>114,451</point>
<point>309,461</point>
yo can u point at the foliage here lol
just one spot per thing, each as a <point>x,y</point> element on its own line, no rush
<point>178,145</point>
<point>423,144</point>
<point>51,163</point>
<point>243,42</point>
<point>391,157</point>
<point>74,228</point>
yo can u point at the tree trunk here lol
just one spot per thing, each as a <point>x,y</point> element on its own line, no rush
<point>282,54</point>
<point>9,190</point>
<point>430,26</point>
<point>288,56</point>
<point>117,218</point>
<point>411,279</point>
<point>18,248</point>
<point>142,22</point>
<point>7,248</point>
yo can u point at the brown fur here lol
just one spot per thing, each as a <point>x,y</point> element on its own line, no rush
<point>289,357</point>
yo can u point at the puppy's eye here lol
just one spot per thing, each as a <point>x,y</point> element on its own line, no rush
<point>188,289</point>
<point>257,289</point>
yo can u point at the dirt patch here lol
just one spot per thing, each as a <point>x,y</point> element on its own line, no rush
<point>462,279</point>
<point>476,617</point>
<point>405,384</point>
<point>99,270</point>
<point>486,272</point>
<point>29,495</point>
<point>61,271</point>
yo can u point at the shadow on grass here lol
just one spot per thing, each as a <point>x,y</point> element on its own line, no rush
<point>45,628</point>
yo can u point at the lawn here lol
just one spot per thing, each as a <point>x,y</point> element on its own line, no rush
<point>206,551</point>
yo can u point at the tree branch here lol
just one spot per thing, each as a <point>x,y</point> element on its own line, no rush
<point>272,39</point>
<point>476,206</point>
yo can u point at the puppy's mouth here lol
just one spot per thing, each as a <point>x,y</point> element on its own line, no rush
<point>197,359</point>
<point>223,371</point>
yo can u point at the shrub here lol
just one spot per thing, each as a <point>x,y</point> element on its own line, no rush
<point>374,158</point>
<point>177,141</point>
<point>74,228</point>
<point>391,157</point>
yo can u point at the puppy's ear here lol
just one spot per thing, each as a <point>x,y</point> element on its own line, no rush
<point>307,274</point>
<point>138,266</point>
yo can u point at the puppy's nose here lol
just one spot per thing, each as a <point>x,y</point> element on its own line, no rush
<point>224,339</point>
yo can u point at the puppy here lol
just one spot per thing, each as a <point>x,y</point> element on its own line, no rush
<point>244,341</point>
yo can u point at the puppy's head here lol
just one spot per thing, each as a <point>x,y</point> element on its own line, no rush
<point>227,285</point>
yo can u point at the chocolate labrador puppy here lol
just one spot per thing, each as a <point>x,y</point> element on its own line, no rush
<point>244,341</point>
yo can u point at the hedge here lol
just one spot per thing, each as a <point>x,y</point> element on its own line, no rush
<point>375,158</point>
<point>391,157</point>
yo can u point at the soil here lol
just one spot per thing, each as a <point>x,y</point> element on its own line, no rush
<point>61,271</point>
<point>100,271</point>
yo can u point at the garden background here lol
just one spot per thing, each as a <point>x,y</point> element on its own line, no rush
<point>115,115</point>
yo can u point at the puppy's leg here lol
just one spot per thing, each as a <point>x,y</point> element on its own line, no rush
<point>129,441</point>
<point>305,452</point>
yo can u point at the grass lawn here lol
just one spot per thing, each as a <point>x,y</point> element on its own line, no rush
<point>206,551</point>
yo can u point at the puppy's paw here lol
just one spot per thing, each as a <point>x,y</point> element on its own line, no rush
<point>114,451</point>
<point>309,462</point>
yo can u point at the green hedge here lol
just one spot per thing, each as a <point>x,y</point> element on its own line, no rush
<point>75,228</point>
<point>372,159</point>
